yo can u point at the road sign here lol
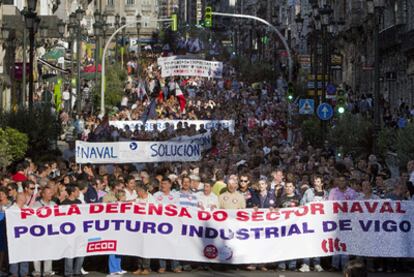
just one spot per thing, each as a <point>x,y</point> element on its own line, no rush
<point>324,111</point>
<point>306,106</point>
<point>331,89</point>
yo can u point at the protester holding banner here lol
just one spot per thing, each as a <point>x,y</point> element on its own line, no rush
<point>207,199</point>
<point>232,199</point>
<point>341,191</point>
<point>166,196</point>
<point>73,266</point>
<point>19,269</point>
<point>46,200</point>
<point>289,200</point>
<point>144,198</point>
<point>247,192</point>
<point>314,194</point>
<point>263,198</point>
<point>5,203</point>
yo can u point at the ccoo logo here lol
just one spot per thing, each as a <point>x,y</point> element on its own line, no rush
<point>101,246</point>
<point>133,146</point>
<point>333,245</point>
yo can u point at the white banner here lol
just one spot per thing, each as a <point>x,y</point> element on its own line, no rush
<point>137,152</point>
<point>183,67</point>
<point>161,125</point>
<point>361,228</point>
<point>204,140</point>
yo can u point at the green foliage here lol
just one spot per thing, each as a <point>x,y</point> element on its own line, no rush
<point>256,72</point>
<point>352,134</point>
<point>115,78</point>
<point>386,141</point>
<point>18,143</point>
<point>312,132</point>
<point>40,126</point>
<point>13,146</point>
<point>5,155</point>
<point>404,144</point>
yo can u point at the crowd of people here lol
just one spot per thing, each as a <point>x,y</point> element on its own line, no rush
<point>262,164</point>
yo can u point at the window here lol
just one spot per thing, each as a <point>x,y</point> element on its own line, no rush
<point>110,2</point>
<point>130,2</point>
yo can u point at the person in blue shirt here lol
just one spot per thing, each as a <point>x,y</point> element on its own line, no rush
<point>264,197</point>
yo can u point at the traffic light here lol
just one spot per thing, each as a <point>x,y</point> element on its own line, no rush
<point>174,25</point>
<point>208,17</point>
<point>340,101</point>
<point>290,92</point>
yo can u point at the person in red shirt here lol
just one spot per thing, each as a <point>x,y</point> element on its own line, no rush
<point>20,175</point>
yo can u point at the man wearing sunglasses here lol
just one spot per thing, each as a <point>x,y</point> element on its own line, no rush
<point>29,189</point>
<point>246,190</point>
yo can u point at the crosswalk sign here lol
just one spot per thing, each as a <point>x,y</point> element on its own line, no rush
<point>306,106</point>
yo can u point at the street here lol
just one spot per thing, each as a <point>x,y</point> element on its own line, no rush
<point>255,273</point>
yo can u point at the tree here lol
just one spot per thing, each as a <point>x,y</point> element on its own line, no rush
<point>312,132</point>
<point>41,127</point>
<point>353,134</point>
<point>404,144</point>
<point>18,143</point>
<point>13,146</point>
<point>115,81</point>
<point>387,141</point>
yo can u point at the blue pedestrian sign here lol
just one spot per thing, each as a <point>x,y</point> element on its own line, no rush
<point>306,106</point>
<point>325,111</point>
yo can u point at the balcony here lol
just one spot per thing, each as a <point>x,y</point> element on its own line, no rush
<point>390,37</point>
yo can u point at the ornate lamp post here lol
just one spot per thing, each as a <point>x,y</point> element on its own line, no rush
<point>138,18</point>
<point>375,9</point>
<point>117,18</point>
<point>97,32</point>
<point>123,22</point>
<point>299,27</point>
<point>32,23</point>
<point>79,13</point>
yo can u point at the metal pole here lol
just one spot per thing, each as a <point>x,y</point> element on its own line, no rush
<point>72,70</point>
<point>31,58</point>
<point>104,58</point>
<point>138,53</point>
<point>97,50</point>
<point>324,65</point>
<point>78,86</point>
<point>116,48</point>
<point>24,68</point>
<point>316,69</point>
<point>377,117</point>
<point>123,47</point>
<point>281,37</point>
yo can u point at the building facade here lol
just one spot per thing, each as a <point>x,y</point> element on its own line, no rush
<point>354,42</point>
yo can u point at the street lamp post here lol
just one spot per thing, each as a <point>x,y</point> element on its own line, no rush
<point>325,13</point>
<point>375,8</point>
<point>116,37</point>
<point>97,32</point>
<point>123,23</point>
<point>71,30</point>
<point>317,30</point>
<point>78,15</point>
<point>32,22</point>
<point>138,18</point>
<point>299,27</point>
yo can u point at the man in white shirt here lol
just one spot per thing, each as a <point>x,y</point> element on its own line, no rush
<point>187,197</point>
<point>46,200</point>
<point>130,192</point>
<point>165,196</point>
<point>144,198</point>
<point>207,199</point>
